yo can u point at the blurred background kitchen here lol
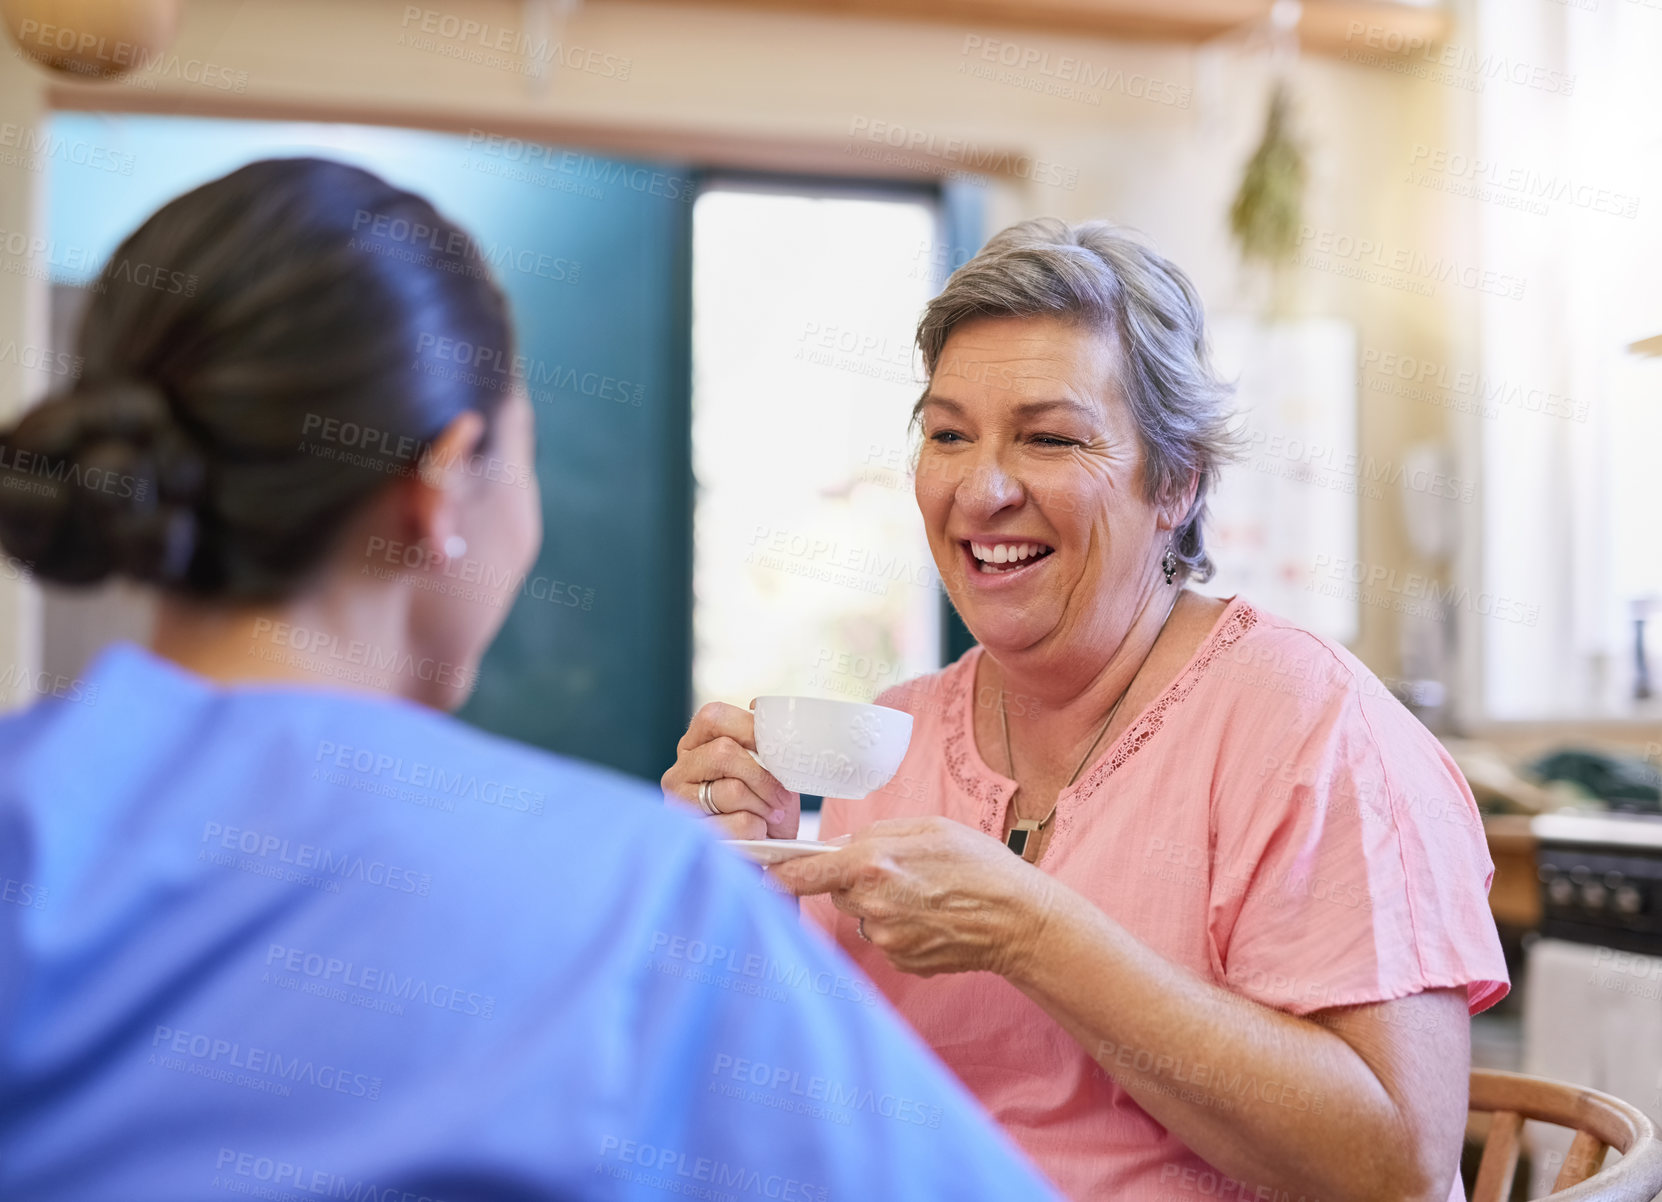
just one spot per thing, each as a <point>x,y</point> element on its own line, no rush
<point>1428,237</point>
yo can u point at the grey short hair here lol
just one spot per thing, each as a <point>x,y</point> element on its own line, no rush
<point>1099,274</point>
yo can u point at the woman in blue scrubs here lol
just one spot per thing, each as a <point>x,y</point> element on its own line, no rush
<point>271,922</point>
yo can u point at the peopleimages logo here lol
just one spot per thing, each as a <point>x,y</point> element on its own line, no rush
<point>1411,593</point>
<point>332,865</point>
<point>374,979</point>
<point>1218,1083</point>
<point>35,358</point>
<point>1352,469</point>
<point>400,238</point>
<point>676,1171</point>
<point>32,471</point>
<point>536,157</point>
<point>866,569</point>
<point>34,147</point>
<point>471,579</point>
<point>15,678</point>
<point>1063,76</point>
<point>780,1080</point>
<point>226,1059</point>
<point>1448,62</point>
<point>421,775</point>
<point>1527,183</point>
<point>62,257</point>
<point>395,454</point>
<point>483,44</point>
<point>726,964</point>
<point>354,659</point>
<point>1422,379</point>
<point>1404,268</point>
<point>287,1175</point>
<point>48,259</point>
<point>492,367</point>
<point>22,893</point>
<point>125,56</point>
<point>967,153</point>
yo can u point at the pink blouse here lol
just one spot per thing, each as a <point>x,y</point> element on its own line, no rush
<point>1276,822</point>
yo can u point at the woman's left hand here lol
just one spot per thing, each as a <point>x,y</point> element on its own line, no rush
<point>936,895</point>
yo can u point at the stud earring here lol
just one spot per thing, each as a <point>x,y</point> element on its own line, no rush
<point>1168,565</point>
<point>455,546</point>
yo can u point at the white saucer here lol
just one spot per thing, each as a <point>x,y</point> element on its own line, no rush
<point>777,851</point>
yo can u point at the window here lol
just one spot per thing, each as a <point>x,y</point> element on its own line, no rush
<point>811,573</point>
<point>1571,425</point>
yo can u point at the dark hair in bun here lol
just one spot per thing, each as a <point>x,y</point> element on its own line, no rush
<point>227,345</point>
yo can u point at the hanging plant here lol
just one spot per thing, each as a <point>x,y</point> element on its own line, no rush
<point>1269,207</point>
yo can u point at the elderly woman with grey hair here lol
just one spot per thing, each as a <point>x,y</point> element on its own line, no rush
<point>1177,888</point>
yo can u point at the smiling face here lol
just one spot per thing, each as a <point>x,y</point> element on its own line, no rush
<point>1030,481</point>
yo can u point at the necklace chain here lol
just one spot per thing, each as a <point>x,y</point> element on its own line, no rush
<point>1004,721</point>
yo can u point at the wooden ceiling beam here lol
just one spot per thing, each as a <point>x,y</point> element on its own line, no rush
<point>1326,26</point>
<point>701,147</point>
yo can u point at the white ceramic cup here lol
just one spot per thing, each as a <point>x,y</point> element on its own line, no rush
<point>831,748</point>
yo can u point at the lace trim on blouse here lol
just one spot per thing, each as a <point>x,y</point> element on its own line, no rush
<point>989,795</point>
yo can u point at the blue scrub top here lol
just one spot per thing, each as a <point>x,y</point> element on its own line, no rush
<point>289,943</point>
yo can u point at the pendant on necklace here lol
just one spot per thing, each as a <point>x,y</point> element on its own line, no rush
<point>1023,839</point>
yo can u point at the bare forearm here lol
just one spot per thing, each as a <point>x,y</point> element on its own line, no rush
<point>1268,1098</point>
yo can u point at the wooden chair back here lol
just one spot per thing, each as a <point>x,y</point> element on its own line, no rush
<point>1600,1122</point>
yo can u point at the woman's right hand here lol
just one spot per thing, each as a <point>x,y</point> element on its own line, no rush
<point>751,803</point>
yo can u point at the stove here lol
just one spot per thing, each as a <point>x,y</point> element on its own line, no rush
<point>1601,879</point>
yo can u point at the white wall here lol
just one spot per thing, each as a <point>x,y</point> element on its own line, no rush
<point>23,331</point>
